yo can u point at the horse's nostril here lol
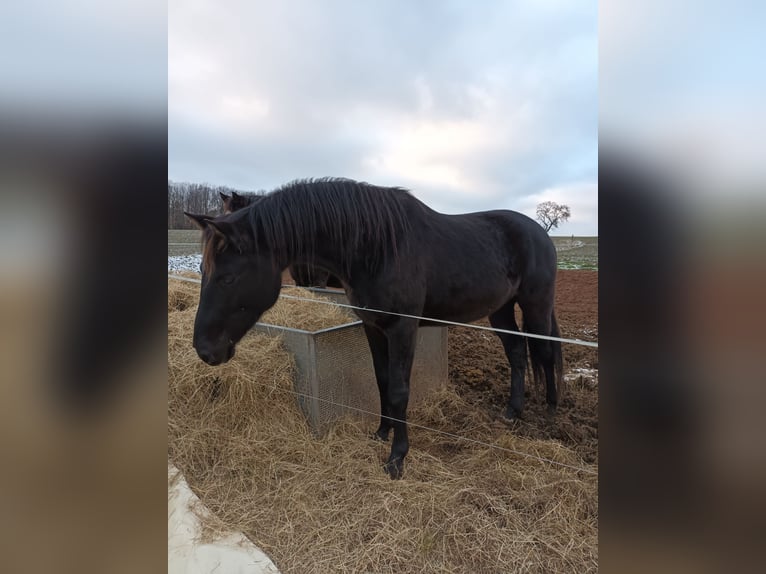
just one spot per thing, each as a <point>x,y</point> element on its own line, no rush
<point>206,356</point>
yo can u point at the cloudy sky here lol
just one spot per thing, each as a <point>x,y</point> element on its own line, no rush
<point>472,105</point>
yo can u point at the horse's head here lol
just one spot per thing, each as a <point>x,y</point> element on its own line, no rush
<point>234,202</point>
<point>239,283</point>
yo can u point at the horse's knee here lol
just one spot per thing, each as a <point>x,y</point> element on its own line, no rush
<point>398,399</point>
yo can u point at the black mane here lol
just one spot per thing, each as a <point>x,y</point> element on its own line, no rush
<point>351,217</point>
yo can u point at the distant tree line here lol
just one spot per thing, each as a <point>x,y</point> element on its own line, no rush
<point>194,198</point>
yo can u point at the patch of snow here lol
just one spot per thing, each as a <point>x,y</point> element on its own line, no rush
<point>230,553</point>
<point>178,263</point>
<point>569,245</point>
<point>583,376</point>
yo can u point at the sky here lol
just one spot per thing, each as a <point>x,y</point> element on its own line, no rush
<point>472,105</point>
<point>685,82</point>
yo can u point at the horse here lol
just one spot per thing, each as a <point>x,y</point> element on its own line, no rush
<point>235,201</point>
<point>303,275</point>
<point>392,253</point>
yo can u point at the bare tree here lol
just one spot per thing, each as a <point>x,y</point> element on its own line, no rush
<point>550,214</point>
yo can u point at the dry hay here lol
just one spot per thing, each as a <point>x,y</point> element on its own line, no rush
<point>182,294</point>
<point>303,315</point>
<point>325,505</point>
<point>286,312</point>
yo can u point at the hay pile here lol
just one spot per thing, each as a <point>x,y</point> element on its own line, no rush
<point>286,312</point>
<point>307,316</point>
<point>182,295</point>
<point>324,505</point>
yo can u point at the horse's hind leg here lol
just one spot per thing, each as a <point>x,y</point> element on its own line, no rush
<point>379,349</point>
<point>516,350</point>
<point>544,354</point>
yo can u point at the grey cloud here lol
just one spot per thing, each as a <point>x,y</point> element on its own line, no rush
<point>516,66</point>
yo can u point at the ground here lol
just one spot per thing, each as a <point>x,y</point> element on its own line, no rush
<point>479,370</point>
<point>480,374</point>
<point>499,501</point>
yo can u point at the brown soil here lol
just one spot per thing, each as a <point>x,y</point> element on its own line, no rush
<point>480,373</point>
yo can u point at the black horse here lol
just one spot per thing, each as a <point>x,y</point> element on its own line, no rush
<point>235,201</point>
<point>303,275</point>
<point>392,253</point>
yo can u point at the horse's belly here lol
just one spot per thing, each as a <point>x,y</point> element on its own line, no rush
<point>467,305</point>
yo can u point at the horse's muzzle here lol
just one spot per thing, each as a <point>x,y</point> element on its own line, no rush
<point>215,357</point>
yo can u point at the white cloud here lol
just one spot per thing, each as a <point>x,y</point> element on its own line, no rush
<point>471,107</point>
<point>582,199</point>
<point>422,152</point>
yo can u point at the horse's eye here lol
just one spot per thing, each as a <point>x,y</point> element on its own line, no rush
<point>227,279</point>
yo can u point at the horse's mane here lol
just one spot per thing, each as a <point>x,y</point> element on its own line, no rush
<point>212,243</point>
<point>351,217</point>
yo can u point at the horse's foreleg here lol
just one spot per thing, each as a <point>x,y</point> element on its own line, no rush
<point>379,349</point>
<point>401,349</point>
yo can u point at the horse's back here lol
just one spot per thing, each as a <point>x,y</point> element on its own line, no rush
<point>472,264</point>
<point>491,241</point>
<point>533,246</point>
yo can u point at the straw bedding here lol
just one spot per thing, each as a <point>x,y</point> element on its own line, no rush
<point>303,315</point>
<point>324,504</point>
<point>287,312</point>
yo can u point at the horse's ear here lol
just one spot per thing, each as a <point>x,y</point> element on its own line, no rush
<point>227,202</point>
<point>200,221</point>
<point>235,195</point>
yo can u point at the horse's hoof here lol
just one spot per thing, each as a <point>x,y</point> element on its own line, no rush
<point>550,411</point>
<point>379,436</point>
<point>511,416</point>
<point>394,468</point>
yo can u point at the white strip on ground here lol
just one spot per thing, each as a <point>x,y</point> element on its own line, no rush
<point>231,554</point>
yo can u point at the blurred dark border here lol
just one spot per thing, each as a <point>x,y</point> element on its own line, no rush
<point>83,340</point>
<point>682,275</point>
<point>103,182</point>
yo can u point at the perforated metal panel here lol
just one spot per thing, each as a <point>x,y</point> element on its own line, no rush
<point>335,368</point>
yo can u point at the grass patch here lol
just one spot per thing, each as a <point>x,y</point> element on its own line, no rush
<point>189,236</point>
<point>577,252</point>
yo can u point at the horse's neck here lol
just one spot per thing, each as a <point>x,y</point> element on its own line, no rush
<point>323,258</point>
<point>325,255</point>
